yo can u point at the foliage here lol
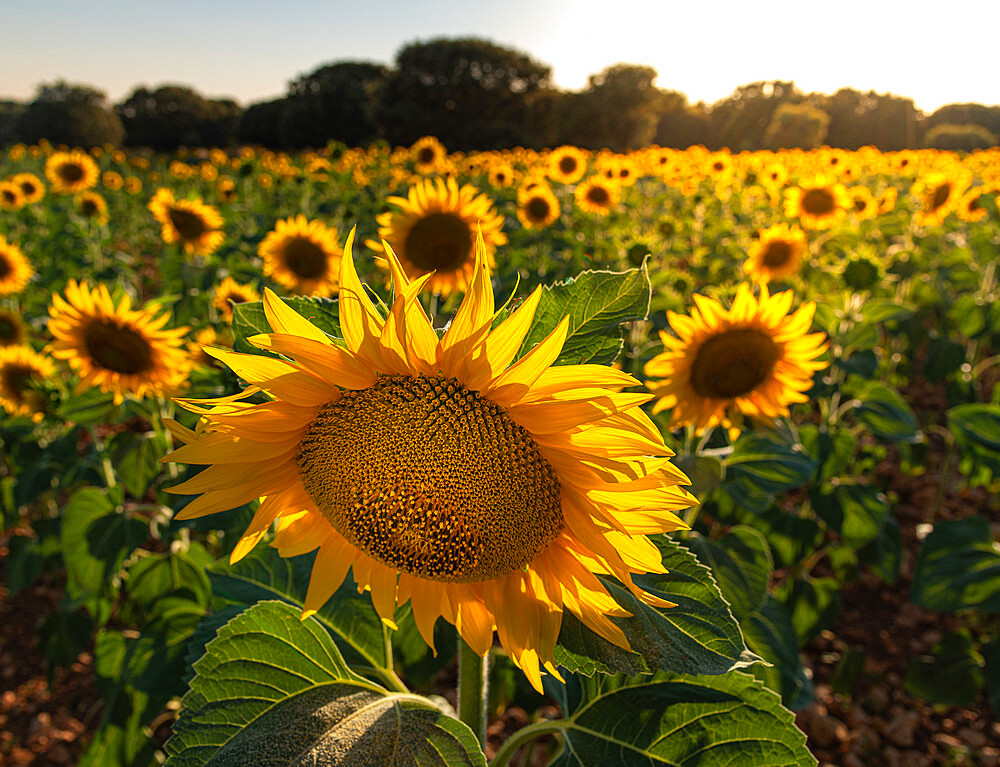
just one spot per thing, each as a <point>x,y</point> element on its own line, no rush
<point>76,115</point>
<point>172,116</point>
<point>966,138</point>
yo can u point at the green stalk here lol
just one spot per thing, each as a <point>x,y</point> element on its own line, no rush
<point>473,689</point>
<point>522,736</point>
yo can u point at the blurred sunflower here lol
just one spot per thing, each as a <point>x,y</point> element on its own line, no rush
<point>206,336</point>
<point>15,270</point>
<point>433,230</point>
<point>12,330</point>
<point>22,373</point>
<point>71,172</point>
<point>428,155</point>
<point>91,205</point>
<point>11,196</point>
<point>567,164</point>
<point>776,254</point>
<point>970,208</point>
<point>31,187</point>
<point>302,255</point>
<point>818,204</point>
<point>501,175</point>
<point>487,493</point>
<point>112,180</point>
<point>863,202</point>
<point>597,195</point>
<point>190,223</point>
<point>938,194</point>
<point>537,208</point>
<point>754,359</point>
<point>133,185</point>
<point>229,293</point>
<point>117,348</point>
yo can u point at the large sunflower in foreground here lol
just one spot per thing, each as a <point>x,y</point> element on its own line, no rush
<point>776,254</point>
<point>433,231</point>
<point>71,172</point>
<point>754,359</point>
<point>22,372</point>
<point>818,204</point>
<point>302,255</point>
<point>190,223</point>
<point>115,347</point>
<point>15,270</point>
<point>442,472</point>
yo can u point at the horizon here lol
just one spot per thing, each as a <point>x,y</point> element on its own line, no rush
<point>117,48</point>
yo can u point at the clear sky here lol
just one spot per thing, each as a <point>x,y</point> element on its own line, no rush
<point>934,53</point>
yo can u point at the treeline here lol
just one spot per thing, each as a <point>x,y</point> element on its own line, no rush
<point>474,94</point>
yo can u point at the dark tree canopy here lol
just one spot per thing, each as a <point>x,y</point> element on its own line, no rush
<point>260,123</point>
<point>741,120</point>
<point>966,114</point>
<point>470,93</point>
<point>796,125</point>
<point>176,115</point>
<point>333,103</point>
<point>858,119</point>
<point>75,115</point>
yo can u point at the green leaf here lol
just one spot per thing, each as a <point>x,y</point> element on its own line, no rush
<point>28,556</point>
<point>758,466</point>
<point>977,431</point>
<point>848,671</point>
<point>880,311</point>
<point>951,675</point>
<point>791,538</point>
<point>88,408</point>
<point>349,616</point>
<point>769,633</point>
<point>695,721</point>
<point>741,563</point>
<point>884,554</point>
<point>273,689</point>
<point>832,451</point>
<point>699,635</point>
<point>886,413</point>
<point>136,458</point>
<point>814,604</point>
<point>855,512</point>
<point>958,568</point>
<point>249,319</point>
<point>96,539</point>
<point>944,357</point>
<point>596,304</point>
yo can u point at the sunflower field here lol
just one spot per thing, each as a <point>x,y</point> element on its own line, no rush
<point>374,456</point>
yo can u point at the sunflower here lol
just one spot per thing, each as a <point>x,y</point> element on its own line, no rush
<point>488,493</point>
<point>501,175</point>
<point>970,208</point>
<point>434,228</point>
<point>863,202</point>
<point>428,155</point>
<point>133,185</point>
<point>15,271</point>
<point>12,330</point>
<point>11,196</point>
<point>597,195</point>
<point>537,208</point>
<point>229,293</point>
<point>567,164</point>
<point>754,359</point>
<point>191,223</point>
<point>203,338</point>
<point>115,347</point>
<point>31,187</point>
<point>938,194</point>
<point>302,255</point>
<point>22,371</point>
<point>818,204</point>
<point>777,253</point>
<point>71,172</point>
<point>112,180</point>
<point>92,205</point>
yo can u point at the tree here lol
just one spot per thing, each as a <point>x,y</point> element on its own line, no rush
<point>965,114</point>
<point>260,123</point>
<point>333,103</point>
<point>741,120</point>
<point>76,115</point>
<point>796,125</point>
<point>10,113</point>
<point>470,93</point>
<point>858,119</point>
<point>960,138</point>
<point>176,115</point>
<point>618,109</point>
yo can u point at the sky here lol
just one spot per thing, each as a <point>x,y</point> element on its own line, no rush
<point>250,49</point>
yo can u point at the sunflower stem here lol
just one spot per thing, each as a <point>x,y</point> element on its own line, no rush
<point>473,689</point>
<point>526,734</point>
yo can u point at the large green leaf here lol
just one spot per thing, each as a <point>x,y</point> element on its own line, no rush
<point>855,512</point>
<point>958,567</point>
<point>814,604</point>
<point>761,467</point>
<point>697,636</point>
<point>694,721</point>
<point>596,303</point>
<point>96,539</point>
<point>886,413</point>
<point>350,617</point>
<point>741,563</point>
<point>273,689</point>
<point>951,675</point>
<point>136,458</point>
<point>769,633</point>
